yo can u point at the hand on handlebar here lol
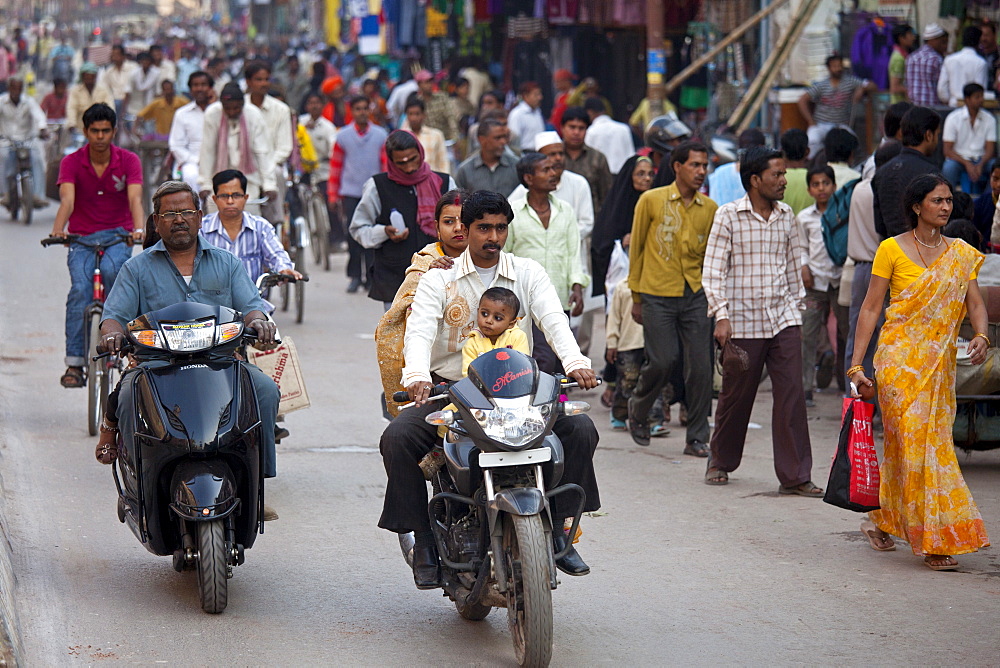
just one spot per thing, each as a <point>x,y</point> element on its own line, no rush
<point>112,343</point>
<point>585,378</point>
<point>265,331</point>
<point>291,272</point>
<point>419,392</point>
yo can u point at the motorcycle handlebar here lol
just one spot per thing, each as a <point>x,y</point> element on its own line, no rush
<point>438,391</point>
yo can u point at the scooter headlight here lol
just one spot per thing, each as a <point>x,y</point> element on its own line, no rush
<point>188,337</point>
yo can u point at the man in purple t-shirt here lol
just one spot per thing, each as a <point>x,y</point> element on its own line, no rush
<point>100,197</point>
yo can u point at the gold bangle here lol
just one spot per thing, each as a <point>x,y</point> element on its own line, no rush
<point>855,369</point>
<point>985,338</point>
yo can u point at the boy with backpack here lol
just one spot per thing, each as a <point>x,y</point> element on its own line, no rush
<point>821,277</point>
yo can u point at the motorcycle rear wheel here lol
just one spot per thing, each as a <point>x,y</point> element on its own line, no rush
<point>213,582</point>
<point>27,198</point>
<point>96,378</point>
<point>529,597</point>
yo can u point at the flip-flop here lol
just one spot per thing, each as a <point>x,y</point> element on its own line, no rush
<point>805,489</point>
<point>874,535</point>
<point>72,378</point>
<point>943,567</point>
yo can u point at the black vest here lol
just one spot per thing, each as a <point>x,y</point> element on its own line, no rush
<point>386,273</point>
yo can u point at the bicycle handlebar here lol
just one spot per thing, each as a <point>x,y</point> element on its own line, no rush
<point>70,238</point>
<point>272,279</point>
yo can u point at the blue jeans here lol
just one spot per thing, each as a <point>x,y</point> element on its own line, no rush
<point>37,170</point>
<point>80,260</point>
<point>955,172</point>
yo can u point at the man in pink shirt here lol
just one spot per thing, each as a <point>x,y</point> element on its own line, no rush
<point>100,198</point>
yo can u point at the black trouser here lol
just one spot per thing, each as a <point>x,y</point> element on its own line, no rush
<point>545,356</point>
<point>360,258</point>
<point>408,438</point>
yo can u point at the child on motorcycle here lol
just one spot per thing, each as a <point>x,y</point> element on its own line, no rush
<point>496,327</point>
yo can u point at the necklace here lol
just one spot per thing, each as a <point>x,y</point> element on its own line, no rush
<point>919,254</point>
<point>917,239</point>
<point>542,212</point>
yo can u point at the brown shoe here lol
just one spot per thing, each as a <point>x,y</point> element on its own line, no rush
<point>269,513</point>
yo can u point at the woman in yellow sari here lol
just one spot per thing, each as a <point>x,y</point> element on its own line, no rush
<point>932,282</point>
<point>389,333</point>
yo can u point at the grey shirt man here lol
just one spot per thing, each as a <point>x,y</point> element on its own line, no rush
<point>473,174</point>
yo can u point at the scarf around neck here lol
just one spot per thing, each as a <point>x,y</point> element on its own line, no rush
<point>247,164</point>
<point>428,188</point>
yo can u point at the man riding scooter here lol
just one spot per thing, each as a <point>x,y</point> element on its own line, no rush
<point>440,313</point>
<point>21,119</point>
<point>183,267</point>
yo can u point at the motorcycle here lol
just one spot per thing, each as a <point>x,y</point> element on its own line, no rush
<point>20,184</point>
<point>190,478</point>
<point>493,477</point>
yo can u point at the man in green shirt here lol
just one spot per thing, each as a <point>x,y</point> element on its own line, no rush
<point>903,38</point>
<point>795,146</point>
<point>669,236</point>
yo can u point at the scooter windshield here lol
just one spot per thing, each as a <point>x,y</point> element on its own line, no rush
<point>504,373</point>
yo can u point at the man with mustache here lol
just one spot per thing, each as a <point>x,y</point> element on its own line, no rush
<point>446,298</point>
<point>670,231</point>
<point>183,266</point>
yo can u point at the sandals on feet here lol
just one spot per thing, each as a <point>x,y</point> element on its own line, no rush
<point>73,377</point>
<point>107,445</point>
<point>944,562</point>
<point>878,539</point>
<point>805,489</point>
<point>714,476</point>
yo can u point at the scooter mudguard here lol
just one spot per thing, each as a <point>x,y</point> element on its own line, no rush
<point>203,490</point>
<point>518,501</point>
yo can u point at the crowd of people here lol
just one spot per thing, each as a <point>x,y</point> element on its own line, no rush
<point>441,196</point>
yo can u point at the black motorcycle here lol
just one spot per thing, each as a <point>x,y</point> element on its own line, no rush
<point>493,477</point>
<point>20,185</point>
<point>190,478</point>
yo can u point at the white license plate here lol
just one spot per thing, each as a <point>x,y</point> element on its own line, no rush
<point>526,457</point>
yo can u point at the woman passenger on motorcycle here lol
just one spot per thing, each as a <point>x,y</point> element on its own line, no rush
<point>389,334</point>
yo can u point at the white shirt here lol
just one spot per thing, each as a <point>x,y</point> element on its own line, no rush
<point>525,122</point>
<point>142,88</point>
<point>21,121</point>
<point>278,121</point>
<point>969,138</point>
<point>260,145</point>
<point>185,133</point>
<point>814,255</point>
<point>363,227</point>
<point>168,72</point>
<point>117,80</point>
<point>397,99</point>
<point>960,68</point>
<point>323,135</point>
<point>611,138</point>
<point>435,150</point>
<point>456,292</point>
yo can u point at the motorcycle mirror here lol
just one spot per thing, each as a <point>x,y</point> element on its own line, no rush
<point>575,407</point>
<point>442,418</point>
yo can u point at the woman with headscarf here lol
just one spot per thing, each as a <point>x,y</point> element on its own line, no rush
<point>396,214</point>
<point>614,220</point>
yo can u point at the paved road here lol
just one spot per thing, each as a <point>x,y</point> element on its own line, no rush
<point>682,572</point>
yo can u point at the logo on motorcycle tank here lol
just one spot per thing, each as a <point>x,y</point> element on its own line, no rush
<point>193,366</point>
<point>508,377</point>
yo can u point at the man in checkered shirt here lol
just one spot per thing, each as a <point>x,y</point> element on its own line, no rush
<point>753,282</point>
<point>923,67</point>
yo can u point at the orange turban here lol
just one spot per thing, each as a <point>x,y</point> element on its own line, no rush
<point>330,84</point>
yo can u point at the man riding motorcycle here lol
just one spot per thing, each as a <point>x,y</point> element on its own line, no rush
<point>184,267</point>
<point>441,312</point>
<point>21,119</point>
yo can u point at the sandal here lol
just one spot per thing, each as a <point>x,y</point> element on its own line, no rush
<point>715,476</point>
<point>805,489</point>
<point>878,539</point>
<point>107,445</point>
<point>73,377</point>
<point>945,562</point>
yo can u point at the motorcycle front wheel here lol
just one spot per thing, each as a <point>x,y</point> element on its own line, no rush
<point>529,597</point>
<point>213,581</point>
<point>27,198</point>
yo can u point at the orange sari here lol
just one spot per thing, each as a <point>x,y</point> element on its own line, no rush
<point>923,496</point>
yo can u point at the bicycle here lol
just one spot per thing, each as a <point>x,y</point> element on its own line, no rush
<point>102,372</point>
<point>295,233</point>
<point>318,220</point>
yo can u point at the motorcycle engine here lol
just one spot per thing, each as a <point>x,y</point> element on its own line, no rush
<point>464,538</point>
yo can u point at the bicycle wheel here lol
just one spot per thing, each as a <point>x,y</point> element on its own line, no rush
<point>27,198</point>
<point>95,372</point>
<point>300,300</point>
<point>320,232</point>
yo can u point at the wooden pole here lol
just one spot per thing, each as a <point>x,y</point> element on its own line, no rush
<point>754,97</point>
<point>707,57</point>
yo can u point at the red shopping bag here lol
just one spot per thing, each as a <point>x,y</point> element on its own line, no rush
<point>854,477</point>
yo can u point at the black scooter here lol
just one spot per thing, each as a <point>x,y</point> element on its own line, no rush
<point>493,477</point>
<point>190,478</point>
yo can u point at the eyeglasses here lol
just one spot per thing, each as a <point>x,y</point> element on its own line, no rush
<point>232,196</point>
<point>171,216</point>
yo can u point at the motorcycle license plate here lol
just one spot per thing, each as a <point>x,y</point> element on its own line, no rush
<point>525,457</point>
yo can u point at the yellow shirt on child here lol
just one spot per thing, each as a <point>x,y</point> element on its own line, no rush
<point>477,344</point>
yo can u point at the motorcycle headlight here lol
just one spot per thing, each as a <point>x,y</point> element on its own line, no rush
<point>189,336</point>
<point>512,425</point>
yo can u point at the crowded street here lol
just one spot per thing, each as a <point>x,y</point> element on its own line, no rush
<point>682,573</point>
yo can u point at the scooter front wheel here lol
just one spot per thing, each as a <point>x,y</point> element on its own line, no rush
<point>213,576</point>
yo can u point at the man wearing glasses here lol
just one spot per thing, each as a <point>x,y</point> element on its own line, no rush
<point>250,238</point>
<point>183,266</point>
